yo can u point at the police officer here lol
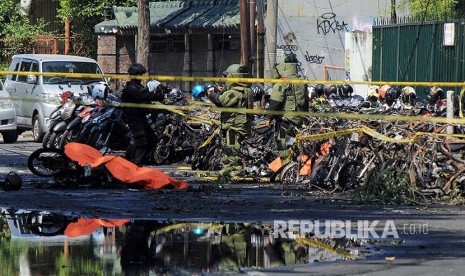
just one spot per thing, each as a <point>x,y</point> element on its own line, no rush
<point>288,97</point>
<point>135,93</point>
<point>235,125</point>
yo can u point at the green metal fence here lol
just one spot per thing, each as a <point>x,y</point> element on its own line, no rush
<point>415,52</point>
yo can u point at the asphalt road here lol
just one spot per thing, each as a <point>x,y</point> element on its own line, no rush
<point>437,252</point>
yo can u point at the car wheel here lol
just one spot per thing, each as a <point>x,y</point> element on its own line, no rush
<point>10,136</point>
<point>37,133</point>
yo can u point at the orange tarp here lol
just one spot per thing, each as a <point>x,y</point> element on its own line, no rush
<point>86,226</point>
<point>122,169</point>
<point>276,164</point>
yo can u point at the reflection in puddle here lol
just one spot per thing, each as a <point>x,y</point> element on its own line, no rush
<point>44,243</point>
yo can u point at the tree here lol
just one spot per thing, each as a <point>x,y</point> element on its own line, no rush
<point>83,15</point>
<point>16,32</point>
<point>437,9</point>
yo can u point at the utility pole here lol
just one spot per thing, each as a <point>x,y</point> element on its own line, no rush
<point>244,32</point>
<point>143,33</point>
<point>260,38</point>
<point>271,22</point>
<point>253,34</point>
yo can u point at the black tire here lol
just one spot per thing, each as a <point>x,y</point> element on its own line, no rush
<point>47,162</point>
<point>46,138</point>
<point>68,136</point>
<point>213,158</point>
<point>37,132</point>
<point>54,140</point>
<point>10,137</point>
<point>348,175</point>
<point>319,174</point>
<point>97,140</point>
<point>288,175</point>
<point>162,153</point>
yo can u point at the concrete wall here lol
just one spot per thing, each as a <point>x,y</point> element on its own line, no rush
<point>316,31</point>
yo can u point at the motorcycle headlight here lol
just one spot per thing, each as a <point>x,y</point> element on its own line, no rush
<point>6,103</point>
<point>50,98</point>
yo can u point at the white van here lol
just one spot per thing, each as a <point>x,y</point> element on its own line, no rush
<point>35,96</point>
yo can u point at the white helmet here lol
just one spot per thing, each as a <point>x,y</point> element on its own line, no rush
<point>100,91</point>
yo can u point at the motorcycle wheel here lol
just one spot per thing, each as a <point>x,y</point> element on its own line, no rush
<point>54,140</point>
<point>348,176</point>
<point>46,139</point>
<point>288,175</point>
<point>47,162</point>
<point>68,136</point>
<point>213,158</point>
<point>162,153</point>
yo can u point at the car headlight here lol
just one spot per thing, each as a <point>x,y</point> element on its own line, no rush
<point>50,98</point>
<point>6,103</point>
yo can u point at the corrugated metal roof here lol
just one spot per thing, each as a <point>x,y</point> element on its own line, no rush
<point>163,12</point>
<point>196,12</point>
<point>177,16</point>
<point>225,14</point>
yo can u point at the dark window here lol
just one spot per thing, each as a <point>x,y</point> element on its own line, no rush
<point>226,42</point>
<point>167,44</point>
<point>14,67</point>
<point>25,67</point>
<point>70,67</point>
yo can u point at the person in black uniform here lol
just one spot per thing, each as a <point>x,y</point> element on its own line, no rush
<point>135,93</point>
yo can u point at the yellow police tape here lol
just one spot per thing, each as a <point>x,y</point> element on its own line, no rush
<point>349,116</point>
<point>374,134</point>
<point>221,79</point>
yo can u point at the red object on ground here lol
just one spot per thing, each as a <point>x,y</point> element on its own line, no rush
<point>122,169</point>
<point>86,226</point>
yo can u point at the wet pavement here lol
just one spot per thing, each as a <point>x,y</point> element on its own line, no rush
<point>436,251</point>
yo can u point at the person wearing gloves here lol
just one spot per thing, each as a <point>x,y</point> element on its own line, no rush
<point>135,93</point>
<point>235,125</point>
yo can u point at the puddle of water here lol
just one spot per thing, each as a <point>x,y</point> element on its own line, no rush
<point>43,243</point>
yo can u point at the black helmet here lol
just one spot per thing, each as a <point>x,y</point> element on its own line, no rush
<point>137,69</point>
<point>13,182</point>
<point>209,85</point>
<point>175,95</point>
<point>391,95</point>
<point>257,91</point>
<point>345,90</point>
<point>320,90</point>
<point>331,91</point>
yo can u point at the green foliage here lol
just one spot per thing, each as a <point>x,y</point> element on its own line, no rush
<point>17,33</point>
<point>433,8</point>
<point>386,186</point>
<point>83,15</point>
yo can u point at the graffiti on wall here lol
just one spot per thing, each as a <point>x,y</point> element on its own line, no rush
<point>327,23</point>
<point>313,59</point>
<point>288,48</point>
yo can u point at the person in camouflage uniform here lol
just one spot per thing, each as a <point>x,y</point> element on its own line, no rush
<point>235,125</point>
<point>288,97</point>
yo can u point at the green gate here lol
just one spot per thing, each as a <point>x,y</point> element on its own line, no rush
<point>415,52</point>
